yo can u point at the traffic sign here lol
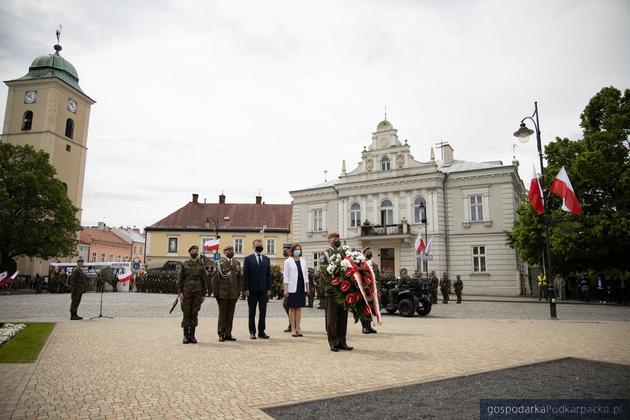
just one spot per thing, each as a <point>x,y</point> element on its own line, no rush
<point>136,265</point>
<point>216,256</point>
<point>426,257</point>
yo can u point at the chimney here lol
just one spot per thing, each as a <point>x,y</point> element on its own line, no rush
<point>258,199</point>
<point>195,198</point>
<point>447,151</point>
<point>222,198</point>
<point>102,225</point>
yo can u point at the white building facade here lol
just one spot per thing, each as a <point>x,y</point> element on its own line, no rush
<point>384,202</point>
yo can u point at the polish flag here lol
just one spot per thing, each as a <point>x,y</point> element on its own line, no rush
<point>419,244</point>
<point>427,250</point>
<point>123,276</point>
<point>561,186</point>
<point>536,194</point>
<point>211,245</point>
<point>3,278</point>
<point>12,278</point>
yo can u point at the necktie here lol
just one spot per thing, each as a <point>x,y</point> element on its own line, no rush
<point>259,259</point>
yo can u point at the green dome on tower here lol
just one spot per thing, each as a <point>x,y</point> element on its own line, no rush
<point>53,65</point>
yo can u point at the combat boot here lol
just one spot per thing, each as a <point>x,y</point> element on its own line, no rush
<point>74,317</point>
<point>186,339</point>
<point>191,337</point>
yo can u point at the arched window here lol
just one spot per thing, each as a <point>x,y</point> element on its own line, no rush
<point>355,215</point>
<point>387,213</point>
<point>385,165</point>
<point>69,128</point>
<point>27,121</point>
<point>419,210</point>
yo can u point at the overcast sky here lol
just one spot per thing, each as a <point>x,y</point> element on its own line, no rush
<point>248,96</point>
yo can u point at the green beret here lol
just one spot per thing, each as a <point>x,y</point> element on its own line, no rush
<point>193,247</point>
<point>227,248</point>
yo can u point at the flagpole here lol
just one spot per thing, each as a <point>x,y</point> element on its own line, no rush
<point>523,134</point>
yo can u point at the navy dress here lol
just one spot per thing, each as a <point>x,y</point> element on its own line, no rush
<point>297,299</point>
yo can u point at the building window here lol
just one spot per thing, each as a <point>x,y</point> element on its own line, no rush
<point>387,213</point>
<point>317,220</point>
<point>68,147</point>
<point>385,164</point>
<point>27,121</point>
<point>271,246</point>
<point>476,207</point>
<point>479,259</point>
<point>316,256</point>
<point>238,245</point>
<point>69,128</point>
<point>419,210</point>
<point>102,257</point>
<point>111,257</point>
<point>93,256</point>
<point>422,265</point>
<point>355,215</point>
<point>172,245</point>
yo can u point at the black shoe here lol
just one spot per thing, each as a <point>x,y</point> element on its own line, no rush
<point>263,335</point>
<point>252,336</point>
<point>365,330</point>
<point>221,338</point>
<point>186,339</point>
<point>344,346</point>
<point>73,317</point>
<point>372,330</point>
<point>79,317</point>
<point>333,348</point>
<point>191,337</point>
<point>229,338</point>
<point>288,329</point>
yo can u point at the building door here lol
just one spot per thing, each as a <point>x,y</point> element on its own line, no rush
<point>388,261</point>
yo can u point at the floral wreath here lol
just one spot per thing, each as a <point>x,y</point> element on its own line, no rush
<point>351,276</point>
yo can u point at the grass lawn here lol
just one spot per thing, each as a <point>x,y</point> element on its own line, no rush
<point>25,347</point>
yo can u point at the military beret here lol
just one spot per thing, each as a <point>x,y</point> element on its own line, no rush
<point>366,249</point>
<point>80,259</point>
<point>193,247</point>
<point>333,235</point>
<point>228,247</point>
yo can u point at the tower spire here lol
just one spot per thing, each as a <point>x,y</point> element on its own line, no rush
<point>385,112</point>
<point>57,46</point>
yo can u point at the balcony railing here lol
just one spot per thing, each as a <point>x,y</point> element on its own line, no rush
<point>383,230</point>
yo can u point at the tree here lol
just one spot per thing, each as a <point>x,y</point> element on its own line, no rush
<point>37,219</point>
<point>599,168</point>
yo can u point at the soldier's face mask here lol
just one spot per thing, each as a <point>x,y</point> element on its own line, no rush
<point>337,243</point>
<point>194,255</point>
<point>229,254</point>
<point>259,248</point>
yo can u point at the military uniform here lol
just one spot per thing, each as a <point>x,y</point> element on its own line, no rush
<point>445,287</point>
<point>311,289</point>
<point>458,286</point>
<point>403,283</point>
<point>226,288</point>
<point>77,286</point>
<point>191,283</point>
<point>336,314</point>
<point>367,323</point>
<point>434,284</point>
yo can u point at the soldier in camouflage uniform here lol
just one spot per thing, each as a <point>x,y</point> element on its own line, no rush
<point>434,284</point>
<point>459,286</point>
<point>226,287</point>
<point>403,283</point>
<point>445,287</point>
<point>367,323</point>
<point>191,289</point>
<point>77,286</point>
<point>311,290</point>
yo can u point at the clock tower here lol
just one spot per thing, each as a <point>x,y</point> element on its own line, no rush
<point>47,109</point>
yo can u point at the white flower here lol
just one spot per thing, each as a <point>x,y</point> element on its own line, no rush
<point>345,263</point>
<point>330,269</point>
<point>8,331</point>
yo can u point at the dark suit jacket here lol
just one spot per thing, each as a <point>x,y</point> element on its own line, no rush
<point>256,278</point>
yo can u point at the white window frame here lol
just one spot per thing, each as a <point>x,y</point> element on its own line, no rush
<point>355,215</point>
<point>417,213</point>
<point>389,212</point>
<point>484,193</point>
<point>316,256</point>
<point>168,244</point>
<point>317,215</point>
<point>476,206</point>
<point>479,258</point>
<point>238,245</point>
<point>386,164</point>
<point>270,249</point>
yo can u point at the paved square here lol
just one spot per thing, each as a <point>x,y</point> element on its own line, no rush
<point>136,367</point>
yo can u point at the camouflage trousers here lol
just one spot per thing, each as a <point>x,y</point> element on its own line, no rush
<point>191,305</point>
<point>226,316</point>
<point>75,296</point>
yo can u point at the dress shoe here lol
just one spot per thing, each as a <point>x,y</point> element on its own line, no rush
<point>372,330</point>
<point>365,330</point>
<point>333,348</point>
<point>294,335</point>
<point>252,336</point>
<point>221,338</point>
<point>263,335</point>
<point>300,335</point>
<point>229,338</point>
<point>74,318</point>
<point>344,346</point>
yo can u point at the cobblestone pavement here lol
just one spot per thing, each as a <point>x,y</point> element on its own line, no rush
<point>135,366</point>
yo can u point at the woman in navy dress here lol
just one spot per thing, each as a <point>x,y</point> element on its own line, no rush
<point>296,285</point>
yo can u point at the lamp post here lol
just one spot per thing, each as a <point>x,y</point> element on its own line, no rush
<point>423,220</point>
<point>523,134</point>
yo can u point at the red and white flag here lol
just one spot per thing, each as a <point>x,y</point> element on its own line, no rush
<point>561,186</point>
<point>428,248</point>
<point>3,278</point>
<point>419,244</point>
<point>123,276</point>
<point>536,194</point>
<point>12,278</point>
<point>211,245</point>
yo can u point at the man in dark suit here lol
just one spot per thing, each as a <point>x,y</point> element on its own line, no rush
<point>257,288</point>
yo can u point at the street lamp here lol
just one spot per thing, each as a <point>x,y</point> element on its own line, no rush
<point>523,134</point>
<point>423,219</point>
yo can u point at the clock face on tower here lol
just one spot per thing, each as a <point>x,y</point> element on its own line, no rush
<point>72,106</point>
<point>30,97</point>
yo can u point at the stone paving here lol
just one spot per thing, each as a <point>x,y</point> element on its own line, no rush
<point>136,367</point>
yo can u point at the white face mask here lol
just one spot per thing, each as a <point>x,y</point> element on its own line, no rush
<point>297,253</point>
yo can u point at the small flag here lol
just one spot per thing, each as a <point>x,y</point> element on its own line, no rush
<point>3,278</point>
<point>561,186</point>
<point>123,276</point>
<point>211,245</point>
<point>535,194</point>
<point>419,243</point>
<point>12,279</point>
<point>428,248</point>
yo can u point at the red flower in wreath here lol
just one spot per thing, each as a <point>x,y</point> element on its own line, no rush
<point>350,299</point>
<point>335,281</point>
<point>345,285</point>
